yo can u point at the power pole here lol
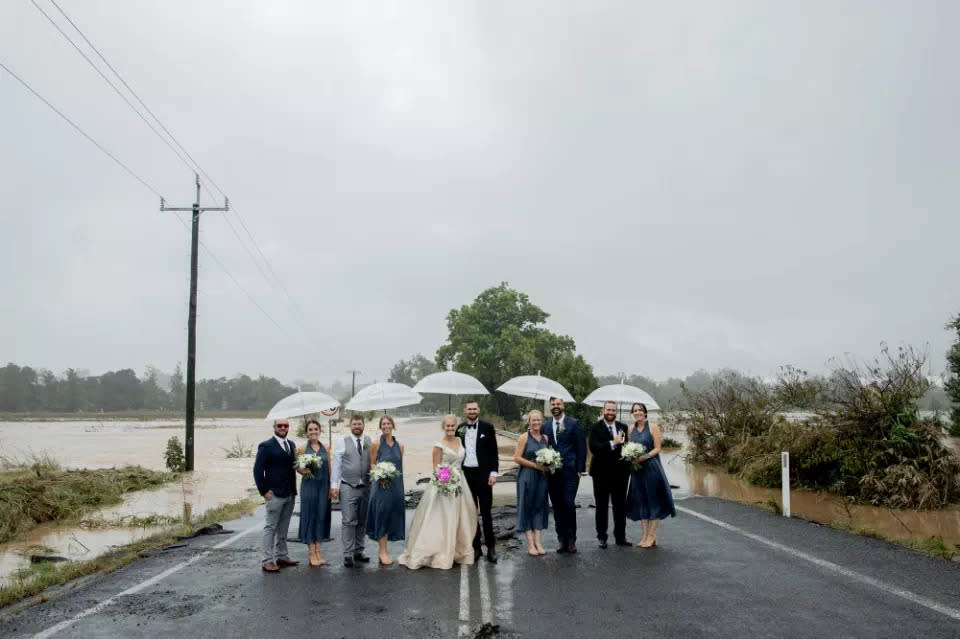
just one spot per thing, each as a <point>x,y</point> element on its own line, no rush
<point>353,382</point>
<point>191,390</point>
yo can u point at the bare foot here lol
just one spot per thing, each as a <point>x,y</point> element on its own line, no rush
<point>532,551</point>
<point>386,560</point>
<point>541,551</point>
<point>643,543</point>
<point>320,560</point>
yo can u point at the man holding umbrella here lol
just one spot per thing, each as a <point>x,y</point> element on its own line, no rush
<point>567,436</point>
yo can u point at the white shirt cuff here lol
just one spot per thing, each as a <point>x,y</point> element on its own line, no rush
<point>494,473</point>
<point>612,445</point>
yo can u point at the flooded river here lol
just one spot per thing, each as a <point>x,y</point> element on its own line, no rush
<point>90,444</point>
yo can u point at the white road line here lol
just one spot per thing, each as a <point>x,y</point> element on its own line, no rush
<point>504,579</point>
<point>486,610</point>
<point>49,632</point>
<point>464,601</point>
<point>953,613</point>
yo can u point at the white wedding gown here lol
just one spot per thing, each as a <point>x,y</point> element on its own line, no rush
<point>443,526</point>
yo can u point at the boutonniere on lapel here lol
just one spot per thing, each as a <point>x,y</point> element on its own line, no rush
<point>462,430</point>
<point>561,429</point>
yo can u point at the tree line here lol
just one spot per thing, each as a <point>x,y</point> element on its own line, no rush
<point>24,389</point>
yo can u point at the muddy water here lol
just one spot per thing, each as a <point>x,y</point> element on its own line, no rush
<point>216,481</point>
<point>700,479</point>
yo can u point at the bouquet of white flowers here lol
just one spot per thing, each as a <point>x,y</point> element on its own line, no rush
<point>383,472</point>
<point>632,452</point>
<point>309,462</point>
<point>550,459</point>
<point>447,480</point>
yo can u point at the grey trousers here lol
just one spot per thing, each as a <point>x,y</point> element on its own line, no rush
<point>279,510</point>
<point>353,517</point>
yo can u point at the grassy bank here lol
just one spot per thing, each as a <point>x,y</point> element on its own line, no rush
<point>39,577</point>
<point>136,415</point>
<point>43,492</point>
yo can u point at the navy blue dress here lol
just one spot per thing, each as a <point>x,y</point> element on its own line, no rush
<point>532,485</point>
<point>315,501</point>
<point>649,496</point>
<point>385,514</point>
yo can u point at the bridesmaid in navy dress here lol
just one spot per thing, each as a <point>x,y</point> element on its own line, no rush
<point>649,499</point>
<point>532,486</point>
<point>315,496</point>
<point>385,515</point>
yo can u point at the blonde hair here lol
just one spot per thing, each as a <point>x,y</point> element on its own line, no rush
<point>443,422</point>
<point>531,414</point>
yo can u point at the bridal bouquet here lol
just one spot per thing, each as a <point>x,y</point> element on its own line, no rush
<point>632,452</point>
<point>447,480</point>
<point>310,462</point>
<point>383,472</point>
<point>550,459</point>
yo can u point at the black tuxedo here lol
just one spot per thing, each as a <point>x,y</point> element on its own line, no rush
<point>274,470</point>
<point>478,477</point>
<point>611,474</point>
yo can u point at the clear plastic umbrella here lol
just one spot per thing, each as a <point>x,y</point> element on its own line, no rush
<point>302,403</point>
<point>450,383</point>
<point>536,387</point>
<point>383,396</point>
<point>621,394</point>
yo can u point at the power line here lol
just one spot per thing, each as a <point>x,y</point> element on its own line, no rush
<point>81,131</point>
<point>196,165</point>
<point>107,80</point>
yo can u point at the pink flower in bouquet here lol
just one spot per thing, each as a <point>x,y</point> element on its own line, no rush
<point>443,474</point>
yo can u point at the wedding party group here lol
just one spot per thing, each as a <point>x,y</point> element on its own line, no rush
<point>367,478</point>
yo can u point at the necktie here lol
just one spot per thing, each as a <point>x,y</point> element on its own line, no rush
<point>613,431</point>
<point>359,447</point>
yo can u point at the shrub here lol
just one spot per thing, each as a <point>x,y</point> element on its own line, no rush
<point>174,457</point>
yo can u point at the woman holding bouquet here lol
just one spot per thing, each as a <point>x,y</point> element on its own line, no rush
<point>385,515</point>
<point>532,505</point>
<point>315,495</point>
<point>446,519</point>
<point>649,499</point>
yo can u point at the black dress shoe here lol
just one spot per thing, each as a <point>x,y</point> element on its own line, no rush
<point>348,562</point>
<point>623,542</point>
<point>603,544</point>
<point>477,554</point>
<point>492,557</point>
<point>363,559</point>
<point>563,549</point>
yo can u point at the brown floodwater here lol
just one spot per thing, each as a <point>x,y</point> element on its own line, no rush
<point>217,480</point>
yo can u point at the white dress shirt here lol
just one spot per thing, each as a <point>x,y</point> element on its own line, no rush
<point>612,427</point>
<point>337,466</point>
<point>470,447</point>
<point>556,424</point>
<point>284,443</point>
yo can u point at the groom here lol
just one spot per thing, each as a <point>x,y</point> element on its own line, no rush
<point>480,468</point>
<point>566,435</point>
<point>610,473</point>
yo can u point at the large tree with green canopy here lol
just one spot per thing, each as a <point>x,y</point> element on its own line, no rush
<point>500,335</point>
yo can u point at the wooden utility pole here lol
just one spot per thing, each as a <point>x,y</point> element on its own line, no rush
<point>191,390</point>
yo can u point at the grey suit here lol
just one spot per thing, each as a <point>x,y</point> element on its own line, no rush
<point>351,468</point>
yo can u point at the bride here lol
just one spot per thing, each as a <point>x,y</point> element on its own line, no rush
<point>444,525</point>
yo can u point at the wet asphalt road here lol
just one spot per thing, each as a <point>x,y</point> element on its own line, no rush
<point>707,579</point>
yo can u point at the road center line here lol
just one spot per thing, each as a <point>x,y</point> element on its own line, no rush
<point>464,601</point>
<point>920,600</point>
<point>486,610</point>
<point>49,632</point>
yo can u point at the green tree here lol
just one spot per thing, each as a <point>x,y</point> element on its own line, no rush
<point>952,384</point>
<point>501,335</point>
<point>178,392</point>
<point>154,397</point>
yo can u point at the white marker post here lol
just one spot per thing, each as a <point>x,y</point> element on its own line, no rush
<point>785,482</point>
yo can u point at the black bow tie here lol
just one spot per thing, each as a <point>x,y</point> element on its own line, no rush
<point>472,426</point>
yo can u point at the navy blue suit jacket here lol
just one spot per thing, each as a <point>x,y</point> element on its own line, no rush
<point>572,445</point>
<point>274,470</point>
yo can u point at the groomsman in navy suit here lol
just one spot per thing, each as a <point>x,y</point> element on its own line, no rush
<point>273,471</point>
<point>567,436</point>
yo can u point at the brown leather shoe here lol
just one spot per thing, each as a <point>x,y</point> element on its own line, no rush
<point>287,562</point>
<point>270,567</point>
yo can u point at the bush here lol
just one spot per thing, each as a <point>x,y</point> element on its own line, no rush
<point>238,450</point>
<point>174,457</point>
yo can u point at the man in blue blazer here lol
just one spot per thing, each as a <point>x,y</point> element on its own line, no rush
<point>566,434</point>
<point>276,480</point>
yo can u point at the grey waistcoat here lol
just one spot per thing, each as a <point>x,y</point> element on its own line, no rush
<point>354,469</point>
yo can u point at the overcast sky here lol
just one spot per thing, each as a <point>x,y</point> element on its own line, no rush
<point>712,184</point>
